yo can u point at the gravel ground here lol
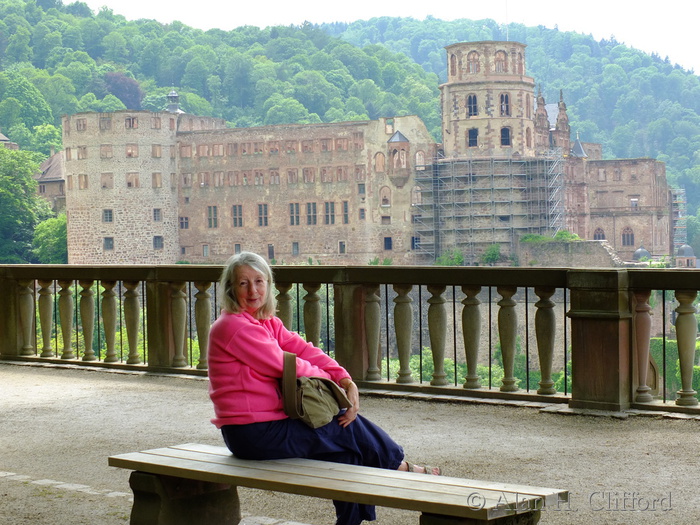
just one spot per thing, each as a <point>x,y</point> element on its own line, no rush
<point>58,425</point>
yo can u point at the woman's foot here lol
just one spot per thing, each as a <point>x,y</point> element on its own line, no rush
<point>420,469</point>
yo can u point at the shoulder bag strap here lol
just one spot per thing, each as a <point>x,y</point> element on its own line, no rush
<point>289,385</point>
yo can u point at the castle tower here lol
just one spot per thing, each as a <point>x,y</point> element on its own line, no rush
<point>121,192</point>
<point>488,102</point>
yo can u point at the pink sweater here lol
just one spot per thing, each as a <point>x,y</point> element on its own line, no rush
<point>245,366</point>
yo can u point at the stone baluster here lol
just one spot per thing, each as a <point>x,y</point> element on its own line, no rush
<point>545,330</point>
<point>26,315</point>
<point>686,332</point>
<point>87,317</point>
<point>65,314</point>
<point>507,332</point>
<point>642,335</point>
<point>132,314</point>
<point>312,314</point>
<point>109,320</point>
<point>202,318</point>
<point>284,304</point>
<point>372,323</point>
<point>403,327</point>
<point>178,311</point>
<point>437,328</point>
<point>471,332</point>
<point>46,317</point>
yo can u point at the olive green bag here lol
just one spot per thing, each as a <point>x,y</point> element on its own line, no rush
<point>314,400</point>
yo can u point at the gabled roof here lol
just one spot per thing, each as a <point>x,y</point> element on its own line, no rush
<point>577,149</point>
<point>398,137</point>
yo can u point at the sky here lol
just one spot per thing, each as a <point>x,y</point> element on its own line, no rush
<point>666,29</point>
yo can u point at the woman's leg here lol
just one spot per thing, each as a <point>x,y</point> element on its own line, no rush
<point>360,443</point>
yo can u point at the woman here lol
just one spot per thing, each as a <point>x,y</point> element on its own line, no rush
<point>246,345</point>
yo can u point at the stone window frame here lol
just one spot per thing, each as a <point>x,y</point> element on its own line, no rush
<point>627,236</point>
<point>131,123</point>
<point>472,105</point>
<point>329,213</point>
<point>311,214</point>
<point>108,243</point>
<point>131,150</point>
<point>599,234</point>
<point>81,124</point>
<point>156,122</point>
<point>132,180</point>
<point>506,137</point>
<point>263,215</point>
<point>184,223</point>
<point>106,151</point>
<point>156,179</point>
<point>504,109</point>
<point>237,215</point>
<point>158,242</point>
<point>157,215</point>
<point>212,217</point>
<point>107,215</point>
<point>294,217</point>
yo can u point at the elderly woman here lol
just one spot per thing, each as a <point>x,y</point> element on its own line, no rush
<point>246,345</point>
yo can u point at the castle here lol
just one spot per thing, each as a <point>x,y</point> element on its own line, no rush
<point>157,188</point>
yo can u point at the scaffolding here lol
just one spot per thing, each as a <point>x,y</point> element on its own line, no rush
<point>470,204</point>
<point>679,215</point>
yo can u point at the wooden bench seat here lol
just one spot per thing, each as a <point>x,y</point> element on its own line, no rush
<point>194,483</point>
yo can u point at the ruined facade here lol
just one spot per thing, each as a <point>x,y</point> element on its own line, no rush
<point>156,188</point>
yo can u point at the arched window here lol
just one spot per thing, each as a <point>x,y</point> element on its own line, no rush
<point>521,68</point>
<point>472,108</point>
<point>505,105</point>
<point>599,234</point>
<point>528,138</point>
<point>501,62</point>
<point>379,162</point>
<point>453,65</point>
<point>420,160</point>
<point>416,197</point>
<point>505,137</point>
<point>385,196</point>
<point>473,62</point>
<point>528,106</point>
<point>627,237</point>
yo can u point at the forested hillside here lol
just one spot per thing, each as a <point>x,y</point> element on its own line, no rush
<point>60,59</point>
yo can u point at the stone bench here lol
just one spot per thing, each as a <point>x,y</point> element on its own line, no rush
<point>194,484</point>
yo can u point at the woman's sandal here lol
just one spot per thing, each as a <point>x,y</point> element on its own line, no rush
<point>424,469</point>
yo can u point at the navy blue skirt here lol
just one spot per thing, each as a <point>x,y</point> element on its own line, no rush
<point>360,443</point>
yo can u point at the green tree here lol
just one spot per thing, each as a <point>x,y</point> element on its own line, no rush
<point>50,244</point>
<point>492,254</point>
<point>21,209</point>
<point>451,257</point>
<point>47,139</point>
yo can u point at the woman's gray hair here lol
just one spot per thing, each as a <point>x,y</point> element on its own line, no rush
<point>227,297</point>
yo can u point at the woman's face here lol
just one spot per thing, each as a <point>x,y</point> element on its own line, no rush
<point>250,287</point>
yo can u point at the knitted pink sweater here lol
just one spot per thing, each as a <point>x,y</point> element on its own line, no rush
<point>245,366</point>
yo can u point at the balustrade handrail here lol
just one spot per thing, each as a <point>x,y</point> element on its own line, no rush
<point>610,315</point>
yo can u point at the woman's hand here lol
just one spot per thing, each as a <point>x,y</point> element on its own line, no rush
<point>354,396</point>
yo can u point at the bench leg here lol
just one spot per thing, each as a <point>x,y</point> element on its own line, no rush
<point>527,518</point>
<point>166,500</point>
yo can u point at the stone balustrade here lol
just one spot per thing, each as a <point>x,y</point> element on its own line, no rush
<point>149,317</point>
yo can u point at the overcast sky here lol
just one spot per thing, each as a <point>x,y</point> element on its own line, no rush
<point>667,28</point>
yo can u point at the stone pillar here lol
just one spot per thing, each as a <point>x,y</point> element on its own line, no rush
<point>87,317</point>
<point>403,326</point>
<point>600,339</point>
<point>109,320</point>
<point>642,333</point>
<point>350,339</point>
<point>202,317</point>
<point>437,328</point>
<point>372,324</point>
<point>166,500</point>
<point>471,331</point>
<point>65,314</point>
<point>312,313</point>
<point>545,329</point>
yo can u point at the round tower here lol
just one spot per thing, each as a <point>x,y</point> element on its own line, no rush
<point>121,191</point>
<point>488,101</point>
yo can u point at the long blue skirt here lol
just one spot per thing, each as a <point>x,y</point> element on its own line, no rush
<point>360,443</point>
